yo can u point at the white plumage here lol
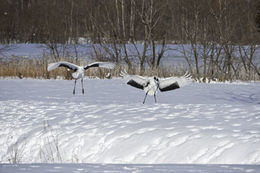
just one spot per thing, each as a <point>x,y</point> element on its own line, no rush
<point>78,71</point>
<point>150,85</point>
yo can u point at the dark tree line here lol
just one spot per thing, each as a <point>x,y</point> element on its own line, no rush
<point>40,21</point>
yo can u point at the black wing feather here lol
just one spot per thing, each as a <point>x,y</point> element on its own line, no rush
<point>173,86</point>
<point>67,66</point>
<point>135,84</point>
<point>89,66</point>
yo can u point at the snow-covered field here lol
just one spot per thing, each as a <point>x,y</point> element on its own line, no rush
<point>42,122</point>
<point>127,168</point>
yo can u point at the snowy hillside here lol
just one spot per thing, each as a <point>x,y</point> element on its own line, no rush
<point>41,121</point>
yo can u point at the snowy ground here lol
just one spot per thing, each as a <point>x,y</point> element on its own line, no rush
<point>127,168</point>
<point>42,122</point>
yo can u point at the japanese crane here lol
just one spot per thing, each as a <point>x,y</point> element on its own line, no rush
<point>78,71</point>
<point>150,85</point>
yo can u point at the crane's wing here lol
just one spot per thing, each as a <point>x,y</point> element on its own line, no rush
<point>100,64</point>
<point>172,83</point>
<point>134,80</point>
<point>68,65</point>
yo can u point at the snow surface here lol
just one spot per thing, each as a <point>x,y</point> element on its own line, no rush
<point>41,121</point>
<point>130,168</point>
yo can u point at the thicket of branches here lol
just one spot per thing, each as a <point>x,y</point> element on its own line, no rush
<point>222,35</point>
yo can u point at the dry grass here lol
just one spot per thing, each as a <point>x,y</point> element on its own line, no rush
<point>22,67</point>
<point>37,68</point>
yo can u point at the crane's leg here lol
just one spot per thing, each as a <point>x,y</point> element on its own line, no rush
<point>145,97</point>
<point>155,98</point>
<point>74,86</point>
<point>82,86</point>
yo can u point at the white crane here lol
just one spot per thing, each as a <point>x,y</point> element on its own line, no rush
<point>150,85</point>
<point>79,70</point>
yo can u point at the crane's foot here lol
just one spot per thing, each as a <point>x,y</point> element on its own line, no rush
<point>73,92</point>
<point>82,91</point>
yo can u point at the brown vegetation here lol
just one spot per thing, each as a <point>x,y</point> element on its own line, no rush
<point>37,68</point>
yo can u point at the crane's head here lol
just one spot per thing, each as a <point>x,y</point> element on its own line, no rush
<point>156,79</point>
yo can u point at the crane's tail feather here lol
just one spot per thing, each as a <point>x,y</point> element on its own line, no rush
<point>185,79</point>
<point>123,73</point>
<point>187,75</point>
